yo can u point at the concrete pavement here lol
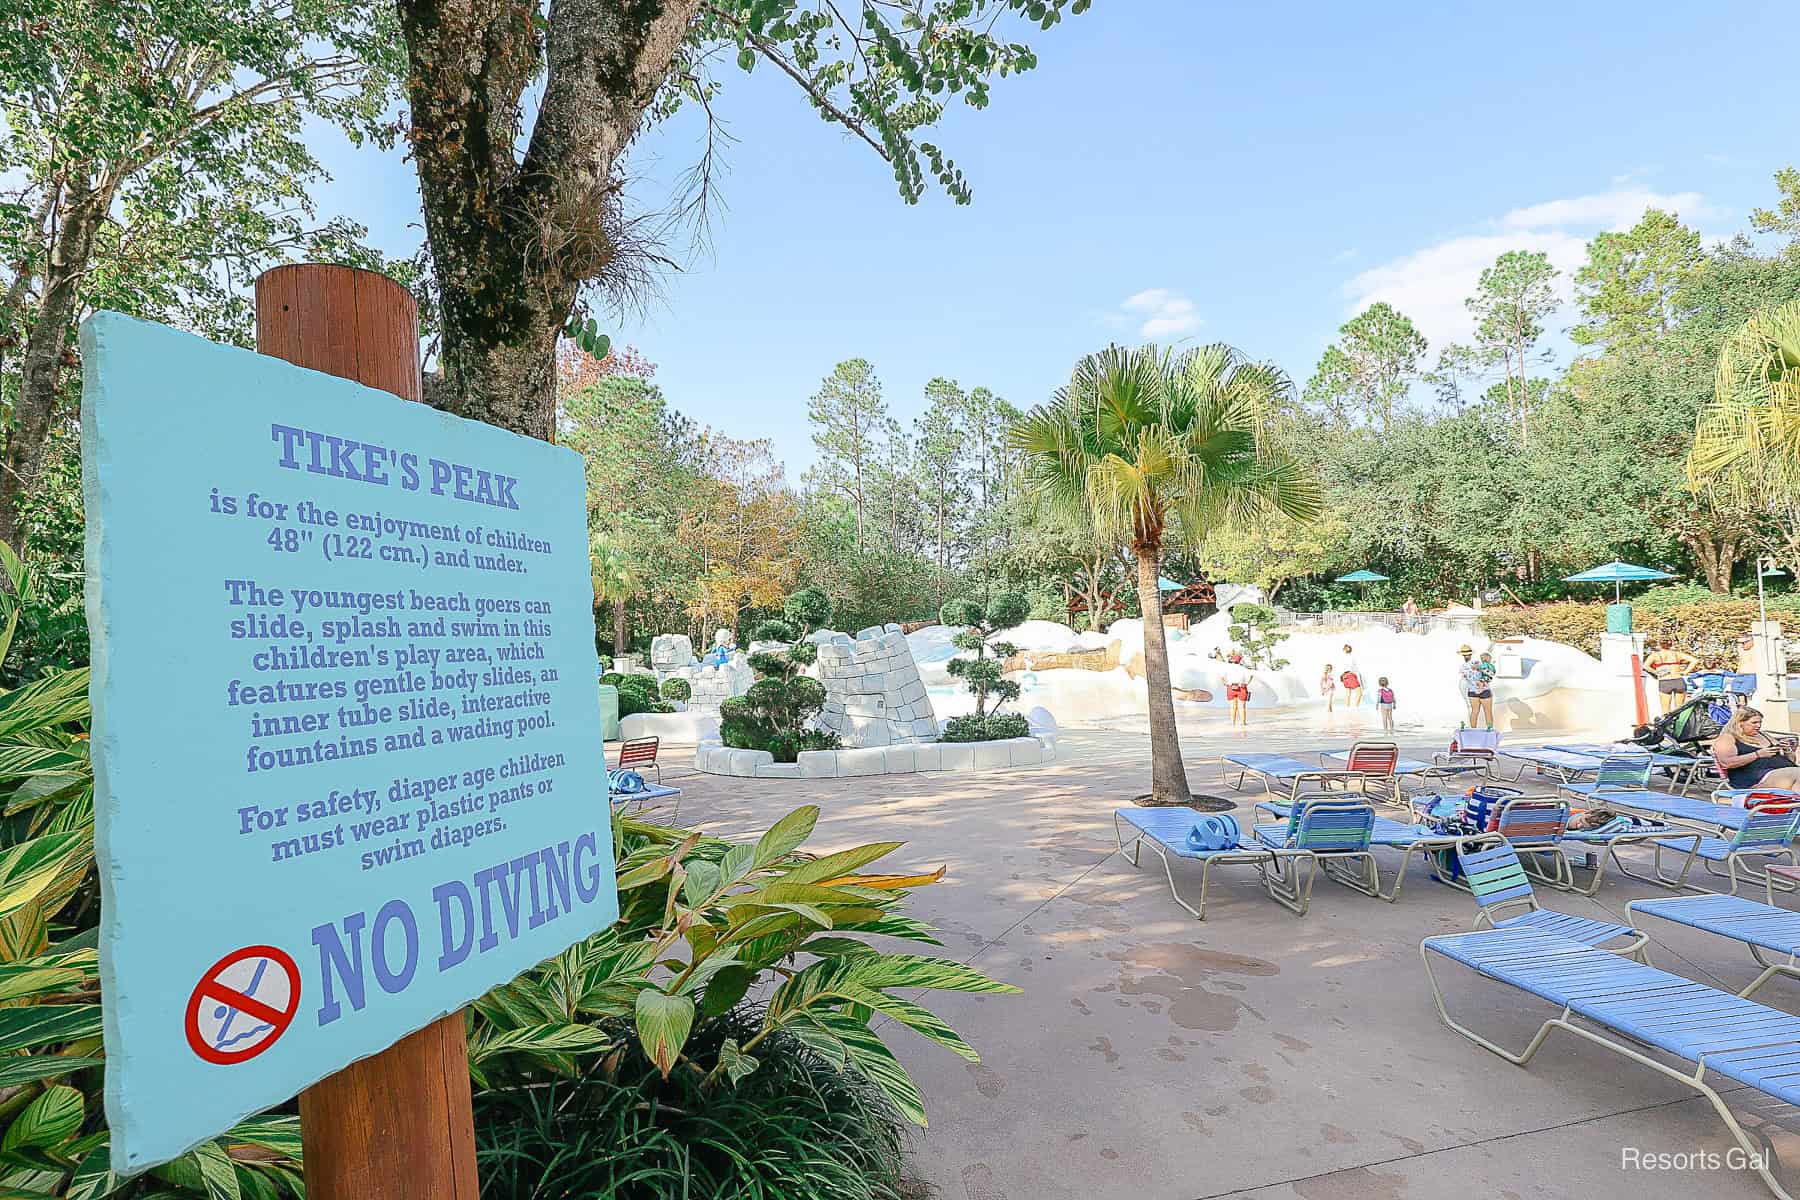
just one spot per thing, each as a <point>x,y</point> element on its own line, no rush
<point>1256,1054</point>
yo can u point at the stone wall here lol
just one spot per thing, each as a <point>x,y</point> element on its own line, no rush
<point>873,693</point>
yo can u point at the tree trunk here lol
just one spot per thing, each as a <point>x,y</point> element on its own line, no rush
<point>618,626</point>
<point>41,364</point>
<point>1168,775</point>
<point>1717,558</point>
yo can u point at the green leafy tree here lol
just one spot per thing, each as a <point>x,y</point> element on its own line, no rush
<point>1784,218</point>
<point>152,159</point>
<point>614,583</point>
<point>777,711</point>
<point>938,442</point>
<point>1270,550</point>
<point>850,422</point>
<point>1631,286</point>
<point>521,148</point>
<point>1370,368</point>
<point>1512,300</point>
<point>1151,447</point>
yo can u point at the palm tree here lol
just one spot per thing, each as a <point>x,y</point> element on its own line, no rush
<point>615,581</point>
<point>1748,436</point>
<point>1147,446</point>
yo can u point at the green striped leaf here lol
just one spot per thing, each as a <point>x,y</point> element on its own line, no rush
<point>22,1069</point>
<point>663,1025</point>
<point>919,971</point>
<point>841,863</point>
<point>46,1024</point>
<point>871,1058</point>
<point>47,701</point>
<point>786,834</point>
<point>18,760</point>
<point>94,1178</point>
<point>50,1120</point>
<point>542,1039</point>
<point>736,1063</point>
<point>915,1017</point>
<point>276,1134</point>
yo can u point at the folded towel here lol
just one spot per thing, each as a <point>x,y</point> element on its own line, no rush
<point>626,783</point>
<point>1217,831</point>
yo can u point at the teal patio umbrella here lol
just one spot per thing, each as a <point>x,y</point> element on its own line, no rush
<point>1364,576</point>
<point>1617,573</point>
<point>1165,584</point>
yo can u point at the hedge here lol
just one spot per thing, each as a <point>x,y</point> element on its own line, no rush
<point>1707,628</point>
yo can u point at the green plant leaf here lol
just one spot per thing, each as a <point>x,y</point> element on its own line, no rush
<point>542,1039</point>
<point>725,989</point>
<point>22,1069</point>
<point>736,1063</point>
<point>45,702</point>
<point>218,1174</point>
<point>868,1055</point>
<point>44,1024</point>
<point>786,834</point>
<point>94,1178</point>
<point>915,1017</point>
<point>919,971</point>
<point>737,863</point>
<point>274,1133</point>
<point>663,1025</point>
<point>842,863</point>
<point>50,1120</point>
<point>649,872</point>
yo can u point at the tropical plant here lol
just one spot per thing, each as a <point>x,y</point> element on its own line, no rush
<point>702,921</point>
<point>615,582</point>
<point>1150,447</point>
<point>1254,629</point>
<point>982,674</point>
<point>777,711</point>
<point>55,1141</point>
<point>1748,437</point>
<point>796,1126</point>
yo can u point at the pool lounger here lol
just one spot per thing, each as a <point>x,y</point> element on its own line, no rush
<point>1627,1002</point>
<point>1165,831</point>
<point>1760,927</point>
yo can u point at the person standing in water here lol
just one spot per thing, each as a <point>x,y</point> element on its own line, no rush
<point>1352,679</point>
<point>1328,687</point>
<point>1384,703</point>
<point>1477,688</point>
<point>1237,690</point>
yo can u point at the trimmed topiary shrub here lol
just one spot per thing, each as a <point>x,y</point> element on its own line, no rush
<point>677,689</point>
<point>776,712</point>
<point>982,673</point>
<point>637,694</point>
<point>992,728</point>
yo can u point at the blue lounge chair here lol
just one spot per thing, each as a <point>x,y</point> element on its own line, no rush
<point>1410,840</point>
<point>1721,1034</point>
<point>1759,926</point>
<point>1269,770</point>
<point>1688,811</point>
<point>644,796</point>
<point>1615,773</point>
<point>1763,834</point>
<point>1499,883</point>
<point>1165,831</point>
<point>1336,833</point>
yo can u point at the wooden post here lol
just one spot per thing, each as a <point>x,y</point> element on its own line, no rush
<point>399,1125</point>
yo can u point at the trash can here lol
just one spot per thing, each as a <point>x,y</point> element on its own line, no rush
<point>1618,618</point>
<point>609,712</point>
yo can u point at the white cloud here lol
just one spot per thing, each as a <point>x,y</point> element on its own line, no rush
<point>1430,285</point>
<point>1165,313</point>
<point>1617,209</point>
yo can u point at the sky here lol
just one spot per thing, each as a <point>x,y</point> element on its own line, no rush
<point>1179,172</point>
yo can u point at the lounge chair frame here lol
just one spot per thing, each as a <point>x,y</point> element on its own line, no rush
<point>1290,886</point>
<point>1755,1154</point>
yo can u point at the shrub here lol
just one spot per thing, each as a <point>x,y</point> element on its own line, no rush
<point>809,609</point>
<point>55,1138</point>
<point>776,712</point>
<point>982,674</point>
<point>1253,630</point>
<point>1709,628</point>
<point>796,1126</point>
<point>701,922</point>
<point>991,728</point>
<point>637,693</point>
<point>677,689</point>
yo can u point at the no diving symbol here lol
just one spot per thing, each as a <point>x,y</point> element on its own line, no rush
<point>243,1003</point>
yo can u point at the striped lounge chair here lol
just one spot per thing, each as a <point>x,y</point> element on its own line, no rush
<point>1336,834</point>
<point>1765,834</point>
<point>1620,1005</point>
<point>1500,886</point>
<point>1287,874</point>
<point>1760,927</point>
<point>1616,773</point>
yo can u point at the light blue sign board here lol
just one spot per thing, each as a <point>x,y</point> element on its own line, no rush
<point>344,715</point>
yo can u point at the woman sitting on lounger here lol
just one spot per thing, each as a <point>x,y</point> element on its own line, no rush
<point>1751,758</point>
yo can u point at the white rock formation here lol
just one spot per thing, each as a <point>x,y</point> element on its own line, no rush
<point>873,693</point>
<point>670,652</point>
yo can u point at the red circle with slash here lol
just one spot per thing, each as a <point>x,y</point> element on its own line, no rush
<point>243,1004</point>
